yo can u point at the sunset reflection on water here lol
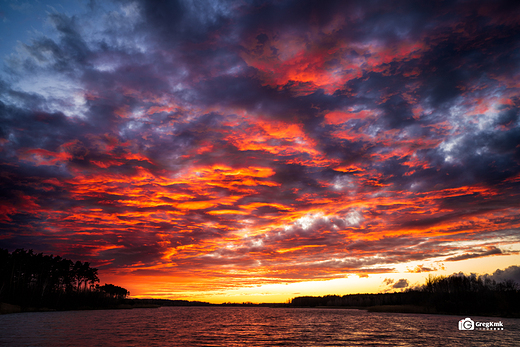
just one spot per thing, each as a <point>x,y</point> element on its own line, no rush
<point>241,326</point>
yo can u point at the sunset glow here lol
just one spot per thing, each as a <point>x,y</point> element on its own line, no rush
<point>257,151</point>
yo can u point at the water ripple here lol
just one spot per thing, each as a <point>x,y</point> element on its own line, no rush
<point>241,326</point>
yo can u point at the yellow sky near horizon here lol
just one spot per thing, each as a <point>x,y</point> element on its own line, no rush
<point>164,287</point>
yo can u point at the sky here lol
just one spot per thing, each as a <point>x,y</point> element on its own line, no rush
<point>232,151</point>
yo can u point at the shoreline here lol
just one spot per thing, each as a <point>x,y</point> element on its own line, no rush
<point>414,309</point>
<point>6,308</point>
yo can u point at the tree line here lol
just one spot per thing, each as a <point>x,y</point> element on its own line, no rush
<point>455,294</point>
<point>35,280</point>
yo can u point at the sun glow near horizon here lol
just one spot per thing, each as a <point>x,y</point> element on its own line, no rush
<point>415,273</point>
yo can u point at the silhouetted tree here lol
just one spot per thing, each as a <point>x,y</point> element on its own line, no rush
<point>30,279</point>
<point>456,294</point>
<point>115,291</point>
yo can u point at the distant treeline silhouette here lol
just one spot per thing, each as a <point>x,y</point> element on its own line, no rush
<point>455,294</point>
<point>45,281</point>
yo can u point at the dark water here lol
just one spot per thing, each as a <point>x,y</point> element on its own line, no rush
<point>246,326</point>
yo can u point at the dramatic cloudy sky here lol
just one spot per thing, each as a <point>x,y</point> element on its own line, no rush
<point>200,148</point>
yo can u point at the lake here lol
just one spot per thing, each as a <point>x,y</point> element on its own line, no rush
<point>248,326</point>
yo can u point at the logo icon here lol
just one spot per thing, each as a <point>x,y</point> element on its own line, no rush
<point>466,324</point>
